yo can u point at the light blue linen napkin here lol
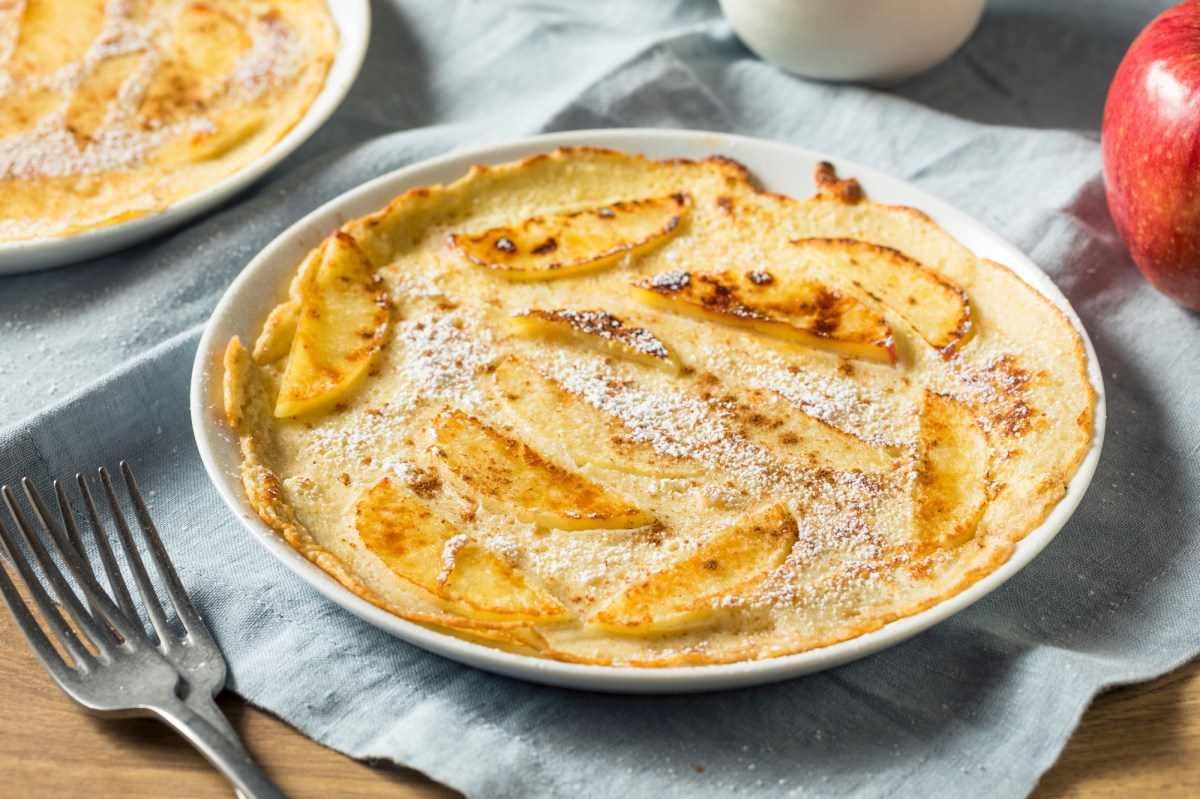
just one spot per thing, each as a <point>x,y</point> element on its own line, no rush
<point>96,358</point>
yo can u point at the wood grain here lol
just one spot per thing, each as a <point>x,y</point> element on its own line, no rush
<point>50,748</point>
<point>1138,741</point>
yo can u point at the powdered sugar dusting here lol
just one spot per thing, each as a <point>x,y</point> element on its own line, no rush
<point>842,401</point>
<point>121,36</point>
<point>674,425</point>
<point>405,471</point>
<point>51,151</point>
<point>275,54</point>
<point>676,280</point>
<point>439,357</point>
<point>678,425</point>
<point>450,554</point>
<point>843,404</point>
<point>443,353</point>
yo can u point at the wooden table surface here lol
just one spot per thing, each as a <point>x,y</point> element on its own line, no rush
<point>1141,740</point>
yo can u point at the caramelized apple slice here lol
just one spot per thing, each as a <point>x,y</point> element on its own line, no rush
<point>507,473</point>
<point>688,592</point>
<point>589,434</point>
<point>598,329</point>
<point>481,580</point>
<point>936,308</point>
<point>801,312</point>
<point>279,330</point>
<point>952,470</point>
<point>563,245</point>
<point>341,323</point>
<point>423,548</point>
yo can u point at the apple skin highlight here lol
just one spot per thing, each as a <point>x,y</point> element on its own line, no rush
<point>1151,142</point>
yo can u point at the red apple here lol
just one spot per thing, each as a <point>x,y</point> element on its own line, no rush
<point>1151,139</point>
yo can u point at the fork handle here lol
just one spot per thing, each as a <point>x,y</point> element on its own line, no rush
<point>231,760</point>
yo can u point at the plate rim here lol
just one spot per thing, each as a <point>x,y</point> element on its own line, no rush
<point>351,17</point>
<point>210,433</point>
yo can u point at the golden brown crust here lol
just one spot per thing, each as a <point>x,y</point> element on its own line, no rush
<point>266,497</point>
<point>829,187</point>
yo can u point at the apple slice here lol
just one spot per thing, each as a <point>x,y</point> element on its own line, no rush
<point>589,434</point>
<point>936,308</point>
<point>93,98</point>
<point>688,592</point>
<point>564,245</point>
<point>802,312</point>
<point>952,472</point>
<point>520,639</point>
<point>206,45</point>
<point>275,340</point>
<point>795,436</point>
<point>341,323</point>
<point>510,476</point>
<point>598,329</point>
<point>423,548</point>
<point>41,37</point>
<point>232,130</point>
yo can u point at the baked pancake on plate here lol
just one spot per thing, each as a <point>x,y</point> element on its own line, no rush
<point>110,112</point>
<point>640,455</point>
<point>596,408</point>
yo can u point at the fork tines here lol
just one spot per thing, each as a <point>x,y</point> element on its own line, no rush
<point>108,623</point>
<point>101,655</point>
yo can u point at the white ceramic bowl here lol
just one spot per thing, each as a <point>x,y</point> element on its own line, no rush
<point>353,21</point>
<point>876,41</point>
<point>781,168</point>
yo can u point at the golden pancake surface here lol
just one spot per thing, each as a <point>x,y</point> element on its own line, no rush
<point>597,408</point>
<point>111,110</point>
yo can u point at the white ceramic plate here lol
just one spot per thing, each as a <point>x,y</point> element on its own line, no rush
<point>353,20</point>
<point>782,168</point>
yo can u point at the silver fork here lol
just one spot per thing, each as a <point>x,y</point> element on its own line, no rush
<point>195,655</point>
<point>115,668</point>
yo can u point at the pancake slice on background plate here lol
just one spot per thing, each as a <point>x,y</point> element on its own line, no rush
<point>112,111</point>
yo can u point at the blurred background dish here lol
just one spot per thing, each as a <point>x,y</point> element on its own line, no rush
<point>66,244</point>
<point>876,41</point>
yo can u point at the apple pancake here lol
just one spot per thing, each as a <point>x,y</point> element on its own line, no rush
<point>112,110</point>
<point>597,408</point>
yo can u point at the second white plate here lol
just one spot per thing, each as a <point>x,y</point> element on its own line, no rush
<point>781,168</point>
<point>353,21</point>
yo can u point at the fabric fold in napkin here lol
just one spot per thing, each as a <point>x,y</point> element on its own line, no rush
<point>96,362</point>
